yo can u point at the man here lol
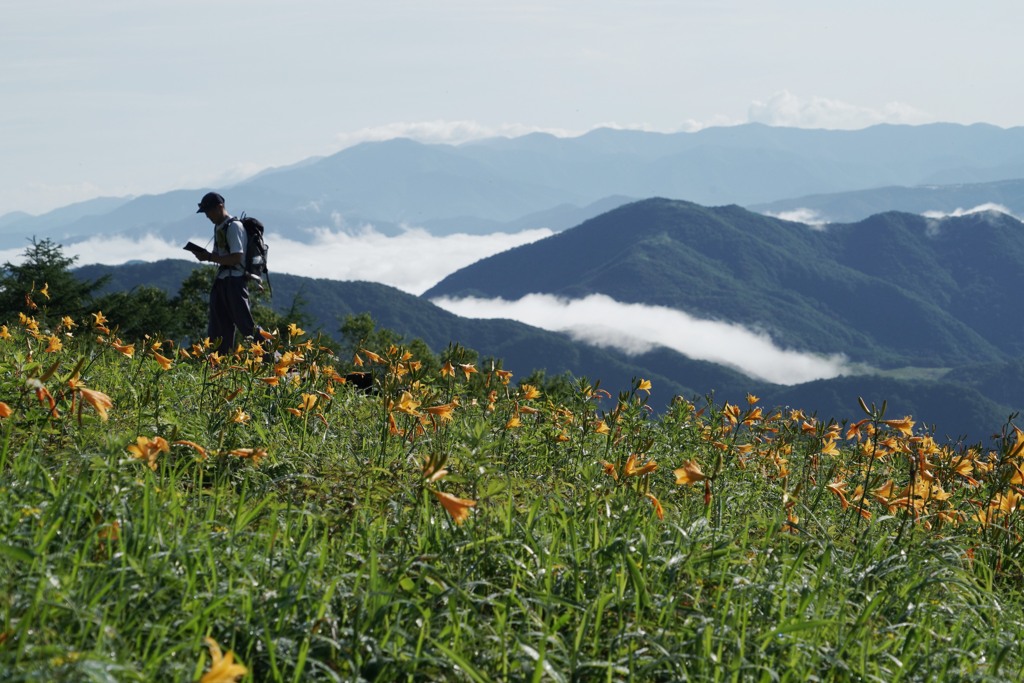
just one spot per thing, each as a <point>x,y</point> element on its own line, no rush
<point>229,297</point>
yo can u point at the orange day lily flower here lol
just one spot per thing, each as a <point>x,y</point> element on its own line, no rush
<point>529,392</point>
<point>373,358</point>
<point>829,447</point>
<point>98,318</point>
<point>644,385</point>
<point>53,344</point>
<point>148,449</point>
<point>254,454</point>
<point>46,398</point>
<point>127,350</point>
<point>223,668</point>
<point>164,362</point>
<point>838,487</point>
<point>1018,444</point>
<point>457,507</point>
<point>689,473</point>
<point>193,445</point>
<point>443,411</point>
<point>5,410</point>
<point>904,426</point>
<point>658,510</point>
<point>98,400</point>
<point>610,470</point>
<point>408,405</point>
<point>433,468</point>
<point>630,469</point>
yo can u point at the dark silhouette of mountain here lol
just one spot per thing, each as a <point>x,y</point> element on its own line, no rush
<point>848,207</point>
<point>895,289</point>
<point>492,184</point>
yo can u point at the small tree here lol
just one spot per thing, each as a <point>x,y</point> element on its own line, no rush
<point>140,311</point>
<point>360,331</point>
<point>44,283</point>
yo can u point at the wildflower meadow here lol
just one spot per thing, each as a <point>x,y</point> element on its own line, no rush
<point>170,514</point>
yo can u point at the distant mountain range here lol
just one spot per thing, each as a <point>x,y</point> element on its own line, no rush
<point>848,207</point>
<point>930,303</point>
<point>540,180</point>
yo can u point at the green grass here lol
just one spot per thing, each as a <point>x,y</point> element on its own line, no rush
<point>327,556</point>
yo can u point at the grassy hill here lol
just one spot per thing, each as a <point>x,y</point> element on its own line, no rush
<point>172,515</point>
<point>974,402</point>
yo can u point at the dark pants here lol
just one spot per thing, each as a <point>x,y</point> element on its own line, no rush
<point>229,308</point>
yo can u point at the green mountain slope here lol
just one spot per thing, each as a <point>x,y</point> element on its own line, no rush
<point>893,290</point>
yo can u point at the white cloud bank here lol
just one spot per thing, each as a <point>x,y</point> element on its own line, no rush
<point>981,208</point>
<point>783,108</point>
<point>786,109</point>
<point>809,217</point>
<point>637,328</point>
<point>412,261</point>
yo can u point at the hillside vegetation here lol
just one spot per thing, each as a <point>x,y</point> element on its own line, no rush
<point>172,514</point>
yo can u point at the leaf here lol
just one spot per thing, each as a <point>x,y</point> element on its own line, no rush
<point>16,553</point>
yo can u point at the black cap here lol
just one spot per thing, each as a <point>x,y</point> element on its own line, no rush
<point>210,200</point>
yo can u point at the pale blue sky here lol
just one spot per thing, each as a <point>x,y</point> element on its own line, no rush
<point>117,97</point>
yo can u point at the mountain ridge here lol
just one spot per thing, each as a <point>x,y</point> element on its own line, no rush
<point>766,273</point>
<point>484,186</point>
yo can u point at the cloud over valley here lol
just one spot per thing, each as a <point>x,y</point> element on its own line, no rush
<point>637,328</point>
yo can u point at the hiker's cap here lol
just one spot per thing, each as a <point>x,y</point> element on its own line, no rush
<point>210,200</point>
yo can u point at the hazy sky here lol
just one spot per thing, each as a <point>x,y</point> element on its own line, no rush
<point>117,97</point>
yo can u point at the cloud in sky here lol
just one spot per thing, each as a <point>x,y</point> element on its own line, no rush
<point>444,132</point>
<point>786,109</point>
<point>809,217</point>
<point>782,109</point>
<point>934,225</point>
<point>412,261</point>
<point>637,328</point>
<point>981,208</point>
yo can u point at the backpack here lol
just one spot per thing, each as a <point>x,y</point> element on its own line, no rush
<point>255,260</point>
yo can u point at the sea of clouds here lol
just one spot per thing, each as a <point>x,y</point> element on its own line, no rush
<point>415,260</point>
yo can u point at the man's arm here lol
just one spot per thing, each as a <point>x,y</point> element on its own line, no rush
<point>227,260</point>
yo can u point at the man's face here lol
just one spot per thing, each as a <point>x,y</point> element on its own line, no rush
<point>214,214</point>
